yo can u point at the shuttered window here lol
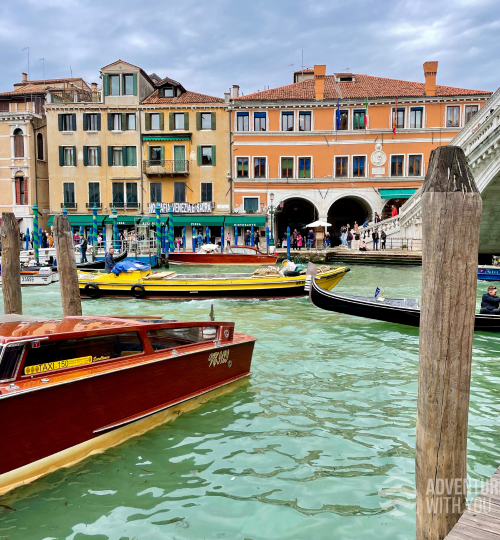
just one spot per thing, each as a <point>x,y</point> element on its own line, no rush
<point>69,156</point>
<point>155,121</point>
<point>114,85</point>
<point>206,192</point>
<point>131,159</point>
<point>128,85</point>
<point>206,120</point>
<point>94,194</point>
<point>69,194</point>
<point>118,194</point>
<point>179,119</point>
<point>206,155</point>
<point>18,143</point>
<point>179,192</point>
<point>132,200</point>
<point>131,121</point>
<point>155,192</point>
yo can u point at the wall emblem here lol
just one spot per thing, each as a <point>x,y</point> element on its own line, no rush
<point>378,158</point>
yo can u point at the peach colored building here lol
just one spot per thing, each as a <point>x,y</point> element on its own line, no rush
<point>340,147</point>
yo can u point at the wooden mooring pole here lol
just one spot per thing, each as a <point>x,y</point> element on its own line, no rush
<point>66,266</point>
<point>451,215</point>
<point>11,266</point>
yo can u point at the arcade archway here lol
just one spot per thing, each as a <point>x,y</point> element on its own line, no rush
<point>296,213</point>
<point>348,210</point>
<point>387,210</point>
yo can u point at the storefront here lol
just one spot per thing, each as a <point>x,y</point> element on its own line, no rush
<point>82,224</point>
<point>244,223</point>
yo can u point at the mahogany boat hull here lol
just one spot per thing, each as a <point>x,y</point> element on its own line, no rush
<point>67,415</point>
<point>179,257</point>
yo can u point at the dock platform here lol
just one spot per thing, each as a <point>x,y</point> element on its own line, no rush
<point>348,256</point>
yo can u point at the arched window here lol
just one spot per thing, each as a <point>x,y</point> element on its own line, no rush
<point>39,147</point>
<point>18,143</point>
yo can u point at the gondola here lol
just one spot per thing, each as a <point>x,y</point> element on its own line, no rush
<point>400,311</point>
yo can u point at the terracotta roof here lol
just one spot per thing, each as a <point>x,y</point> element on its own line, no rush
<point>364,86</point>
<point>49,81</point>
<point>305,70</point>
<point>168,80</point>
<point>36,87</point>
<point>186,97</point>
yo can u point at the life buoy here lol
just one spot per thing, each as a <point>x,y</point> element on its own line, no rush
<point>138,291</point>
<point>91,290</point>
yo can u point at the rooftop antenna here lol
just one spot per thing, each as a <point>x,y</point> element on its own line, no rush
<point>43,68</point>
<point>27,48</point>
<point>346,70</point>
<point>71,71</point>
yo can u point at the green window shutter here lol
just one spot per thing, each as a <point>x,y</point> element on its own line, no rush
<point>110,156</point>
<point>124,121</point>
<point>213,156</point>
<point>198,154</point>
<point>213,121</point>
<point>162,153</point>
<point>135,84</point>
<point>60,121</point>
<point>106,85</point>
<point>61,155</point>
<point>73,121</point>
<point>110,121</point>
<point>198,121</point>
<point>148,122</point>
<point>131,156</point>
<point>171,121</point>
<point>124,156</point>
<point>85,122</point>
<point>186,120</point>
<point>99,122</point>
<point>74,156</point>
<point>161,121</point>
<point>85,156</point>
<point>99,156</point>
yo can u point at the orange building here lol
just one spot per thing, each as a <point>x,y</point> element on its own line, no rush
<point>340,147</point>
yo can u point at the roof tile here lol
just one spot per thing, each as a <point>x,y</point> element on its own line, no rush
<point>186,97</point>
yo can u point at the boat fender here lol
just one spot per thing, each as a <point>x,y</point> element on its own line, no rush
<point>137,291</point>
<point>91,290</point>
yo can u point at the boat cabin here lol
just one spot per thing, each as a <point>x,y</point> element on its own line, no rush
<point>244,250</point>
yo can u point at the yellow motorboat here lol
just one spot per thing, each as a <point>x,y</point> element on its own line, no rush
<point>263,283</point>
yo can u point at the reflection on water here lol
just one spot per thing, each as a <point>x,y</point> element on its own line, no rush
<point>319,443</point>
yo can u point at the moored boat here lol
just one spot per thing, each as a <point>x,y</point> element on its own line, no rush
<point>71,387</point>
<point>488,272</point>
<point>37,276</point>
<point>144,284</point>
<point>234,255</point>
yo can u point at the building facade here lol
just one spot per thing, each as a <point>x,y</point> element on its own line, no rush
<point>340,147</point>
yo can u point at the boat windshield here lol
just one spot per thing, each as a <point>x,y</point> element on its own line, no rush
<point>167,338</point>
<point>9,360</point>
<point>243,250</point>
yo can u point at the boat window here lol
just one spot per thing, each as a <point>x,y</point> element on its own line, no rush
<point>175,337</point>
<point>243,250</point>
<point>50,355</point>
<point>9,361</point>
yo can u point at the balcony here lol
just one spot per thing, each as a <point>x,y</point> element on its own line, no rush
<point>124,205</point>
<point>166,167</point>
<point>69,205</point>
<point>90,205</point>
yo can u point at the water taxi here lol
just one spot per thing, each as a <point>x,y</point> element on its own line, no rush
<point>37,276</point>
<point>75,386</point>
<point>233,255</point>
<point>263,283</point>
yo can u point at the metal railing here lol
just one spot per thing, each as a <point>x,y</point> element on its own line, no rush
<point>124,205</point>
<point>69,205</point>
<point>91,205</point>
<point>166,166</point>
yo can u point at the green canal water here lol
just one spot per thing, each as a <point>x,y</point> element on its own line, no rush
<point>319,444</point>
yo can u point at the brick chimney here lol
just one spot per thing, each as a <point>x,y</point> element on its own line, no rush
<point>319,82</point>
<point>430,71</point>
<point>93,87</point>
<point>236,91</point>
<point>25,77</point>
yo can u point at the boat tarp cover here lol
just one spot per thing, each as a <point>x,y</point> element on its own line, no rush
<point>125,266</point>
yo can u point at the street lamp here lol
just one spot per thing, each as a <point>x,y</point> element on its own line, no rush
<point>271,213</point>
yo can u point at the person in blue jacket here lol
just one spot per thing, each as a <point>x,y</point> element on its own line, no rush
<point>490,302</point>
<point>109,261</point>
<point>199,240</point>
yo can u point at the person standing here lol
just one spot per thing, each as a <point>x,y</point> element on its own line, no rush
<point>490,302</point>
<point>228,239</point>
<point>377,218</point>
<point>328,241</point>
<point>343,235</point>
<point>310,239</point>
<point>199,240</point>
<point>367,222</point>
<point>256,239</point>
<point>294,239</point>
<point>375,238</point>
<point>349,239</point>
<point>356,228</point>
<point>109,261</point>
<point>299,241</point>
<point>51,240</point>
<point>83,249</point>
<point>394,211</point>
<point>383,238</point>
<point>247,238</point>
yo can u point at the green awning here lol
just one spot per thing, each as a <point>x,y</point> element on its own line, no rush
<point>186,220</point>
<point>397,193</point>
<point>247,220</point>
<point>123,220</point>
<point>77,221</point>
<point>166,138</point>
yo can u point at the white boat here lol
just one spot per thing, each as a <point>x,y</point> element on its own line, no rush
<point>43,276</point>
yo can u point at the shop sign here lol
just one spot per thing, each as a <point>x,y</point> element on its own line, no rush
<point>183,208</point>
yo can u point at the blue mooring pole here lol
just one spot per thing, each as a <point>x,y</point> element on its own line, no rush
<point>288,243</point>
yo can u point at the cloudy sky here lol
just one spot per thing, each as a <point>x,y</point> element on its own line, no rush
<point>211,45</point>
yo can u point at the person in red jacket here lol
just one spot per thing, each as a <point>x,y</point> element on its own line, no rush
<point>394,211</point>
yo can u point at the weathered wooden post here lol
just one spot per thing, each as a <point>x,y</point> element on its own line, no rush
<point>66,266</point>
<point>451,206</point>
<point>11,266</point>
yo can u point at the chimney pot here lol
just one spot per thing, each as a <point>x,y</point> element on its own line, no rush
<point>93,86</point>
<point>319,81</point>
<point>236,91</point>
<point>227,97</point>
<point>25,77</point>
<point>430,72</point>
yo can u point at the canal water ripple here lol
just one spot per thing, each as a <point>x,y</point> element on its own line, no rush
<point>318,444</point>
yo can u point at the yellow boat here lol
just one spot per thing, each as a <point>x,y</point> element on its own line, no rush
<point>145,284</point>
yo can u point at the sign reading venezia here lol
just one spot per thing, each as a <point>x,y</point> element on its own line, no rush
<point>182,208</point>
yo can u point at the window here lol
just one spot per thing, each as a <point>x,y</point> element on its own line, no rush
<point>69,156</point>
<point>242,167</point>
<point>114,85</point>
<point>94,194</point>
<point>242,121</point>
<point>118,194</point>
<point>344,120</point>
<point>131,156</point>
<point>21,196</point>
<point>128,85</point>
<point>414,166</point>
<point>250,204</point>
<point>358,166</point>
<point>18,143</point>
<point>286,167</point>
<point>206,192</point>
<point>155,120</point>
<point>131,121</point>
<point>206,155</point>
<point>155,155</point>
<point>416,115</point>
<point>93,156</point>
<point>304,167</point>
<point>10,361</point>
<point>168,91</point>
<point>67,122</point>
<point>341,166</point>
<point>304,121</point>
<point>39,147</point>
<point>179,192</point>
<point>453,117</point>
<point>116,122</point>
<point>178,120</point>
<point>400,118</point>
<point>92,122</point>
<point>155,192</point>
<point>167,338</point>
<point>397,168</point>
<point>470,111</point>
<point>69,194</point>
<point>359,120</point>
<point>259,121</point>
<point>59,354</point>
<point>287,121</point>
<point>206,120</point>
<point>132,201</point>
<point>259,167</point>
<point>117,156</point>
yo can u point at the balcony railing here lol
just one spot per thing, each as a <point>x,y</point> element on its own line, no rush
<point>69,205</point>
<point>91,205</point>
<point>123,205</point>
<point>172,167</point>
